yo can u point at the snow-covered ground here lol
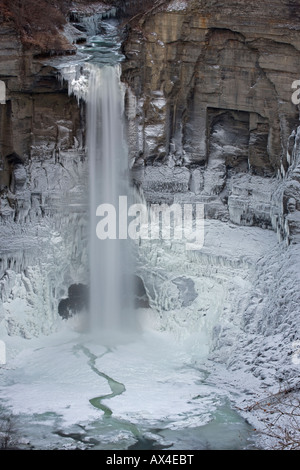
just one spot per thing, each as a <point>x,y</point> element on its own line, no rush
<point>59,383</point>
<point>210,343</point>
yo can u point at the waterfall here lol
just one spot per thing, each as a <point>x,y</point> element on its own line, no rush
<point>111,266</point>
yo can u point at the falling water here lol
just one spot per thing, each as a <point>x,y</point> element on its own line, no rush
<point>111,268</point>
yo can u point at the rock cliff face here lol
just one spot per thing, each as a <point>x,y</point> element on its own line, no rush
<point>42,175</point>
<point>209,104</point>
<point>42,128</point>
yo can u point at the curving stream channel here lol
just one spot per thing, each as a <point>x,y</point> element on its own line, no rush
<point>66,391</point>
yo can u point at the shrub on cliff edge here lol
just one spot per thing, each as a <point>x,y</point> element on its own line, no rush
<point>38,22</point>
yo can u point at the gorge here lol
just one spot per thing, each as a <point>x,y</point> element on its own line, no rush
<point>205,90</point>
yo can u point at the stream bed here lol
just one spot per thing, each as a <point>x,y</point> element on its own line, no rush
<point>65,391</point>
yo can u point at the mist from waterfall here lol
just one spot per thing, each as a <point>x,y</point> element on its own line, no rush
<point>111,261</point>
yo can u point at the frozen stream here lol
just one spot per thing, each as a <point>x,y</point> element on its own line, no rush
<point>68,392</point>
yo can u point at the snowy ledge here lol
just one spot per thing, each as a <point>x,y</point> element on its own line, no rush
<point>91,9</point>
<point>177,5</point>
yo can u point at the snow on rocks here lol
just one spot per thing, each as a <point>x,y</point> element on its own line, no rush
<point>177,5</point>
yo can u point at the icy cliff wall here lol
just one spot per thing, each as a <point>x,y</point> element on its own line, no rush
<point>209,105</point>
<point>211,120</point>
<point>43,186</point>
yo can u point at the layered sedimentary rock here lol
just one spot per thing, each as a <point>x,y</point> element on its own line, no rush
<point>209,104</point>
<point>42,129</point>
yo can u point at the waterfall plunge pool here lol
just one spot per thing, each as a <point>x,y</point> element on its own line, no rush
<point>67,392</point>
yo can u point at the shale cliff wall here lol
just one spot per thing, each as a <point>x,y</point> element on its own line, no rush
<point>42,128</point>
<point>209,105</point>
